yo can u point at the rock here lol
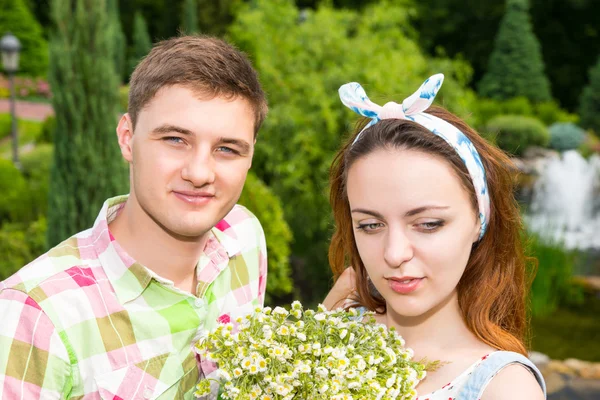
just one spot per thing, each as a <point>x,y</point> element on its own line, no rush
<point>554,382</point>
<point>576,365</point>
<point>539,359</point>
<point>540,152</point>
<point>560,367</point>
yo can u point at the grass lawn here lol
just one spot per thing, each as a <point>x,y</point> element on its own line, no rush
<point>570,332</point>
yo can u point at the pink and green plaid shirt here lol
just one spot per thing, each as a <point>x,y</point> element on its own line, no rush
<point>86,321</point>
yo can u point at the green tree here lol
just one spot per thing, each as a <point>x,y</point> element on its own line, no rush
<point>516,67</point>
<point>302,63</point>
<point>263,203</point>
<point>120,45</point>
<point>190,17</point>
<point>141,43</point>
<point>18,19</point>
<point>87,164</point>
<point>589,108</point>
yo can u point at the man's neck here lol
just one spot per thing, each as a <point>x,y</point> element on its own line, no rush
<point>150,245</point>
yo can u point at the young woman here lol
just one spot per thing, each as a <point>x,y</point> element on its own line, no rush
<point>425,215</point>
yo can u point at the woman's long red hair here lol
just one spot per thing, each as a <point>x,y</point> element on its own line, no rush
<point>492,291</point>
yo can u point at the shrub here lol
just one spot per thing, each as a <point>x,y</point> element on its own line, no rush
<point>20,244</point>
<point>590,145</point>
<point>548,111</point>
<point>36,169</point>
<point>514,133</point>
<point>47,132</point>
<point>12,186</point>
<point>5,123</point>
<point>566,136</point>
<point>17,19</point>
<point>261,201</point>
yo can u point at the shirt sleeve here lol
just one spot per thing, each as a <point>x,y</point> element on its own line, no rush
<point>262,265</point>
<point>34,362</point>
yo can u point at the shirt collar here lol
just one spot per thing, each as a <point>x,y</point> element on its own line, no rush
<point>130,278</point>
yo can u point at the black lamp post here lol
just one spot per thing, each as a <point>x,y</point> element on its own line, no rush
<point>10,48</point>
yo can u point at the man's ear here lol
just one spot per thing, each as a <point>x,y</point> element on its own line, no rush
<point>125,137</point>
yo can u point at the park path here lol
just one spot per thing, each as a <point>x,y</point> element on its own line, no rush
<point>28,109</point>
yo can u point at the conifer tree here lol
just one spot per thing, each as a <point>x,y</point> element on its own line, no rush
<point>190,17</point>
<point>589,108</point>
<point>88,167</point>
<point>120,46</point>
<point>141,41</point>
<point>516,67</point>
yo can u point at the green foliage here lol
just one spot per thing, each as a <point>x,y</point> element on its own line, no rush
<point>566,136</point>
<point>36,167</point>
<point>141,44</point>
<point>87,166</point>
<point>5,125</point>
<point>12,186</point>
<point>514,133</point>
<point>301,65</point>
<point>48,128</point>
<point>21,244</point>
<point>590,145</point>
<point>28,131</point>
<point>124,98</point>
<point>590,101</point>
<point>17,19</point>
<point>261,201</point>
<point>548,111</point>
<point>189,17</point>
<point>120,45</point>
<point>553,284</point>
<point>516,67</point>
<point>569,332</point>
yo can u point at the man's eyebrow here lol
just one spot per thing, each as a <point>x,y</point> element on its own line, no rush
<point>242,144</point>
<point>168,128</point>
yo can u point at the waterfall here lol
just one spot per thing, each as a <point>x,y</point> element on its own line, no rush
<point>565,203</point>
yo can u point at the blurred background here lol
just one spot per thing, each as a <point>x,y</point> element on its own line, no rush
<point>525,74</point>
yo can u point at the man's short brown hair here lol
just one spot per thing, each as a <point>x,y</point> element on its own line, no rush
<point>209,66</point>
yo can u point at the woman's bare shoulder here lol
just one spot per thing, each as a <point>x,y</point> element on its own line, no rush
<point>515,382</point>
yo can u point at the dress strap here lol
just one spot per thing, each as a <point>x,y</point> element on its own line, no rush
<point>490,367</point>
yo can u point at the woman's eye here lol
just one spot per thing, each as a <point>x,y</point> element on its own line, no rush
<point>431,226</point>
<point>369,227</point>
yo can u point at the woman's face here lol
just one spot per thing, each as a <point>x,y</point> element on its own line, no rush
<point>414,226</point>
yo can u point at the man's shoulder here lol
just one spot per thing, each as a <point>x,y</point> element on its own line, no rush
<point>242,224</point>
<point>51,266</point>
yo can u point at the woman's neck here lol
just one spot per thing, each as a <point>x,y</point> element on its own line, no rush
<point>439,331</point>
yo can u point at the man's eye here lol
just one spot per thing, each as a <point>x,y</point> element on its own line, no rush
<point>225,149</point>
<point>173,139</point>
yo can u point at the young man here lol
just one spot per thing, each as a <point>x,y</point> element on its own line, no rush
<point>114,311</point>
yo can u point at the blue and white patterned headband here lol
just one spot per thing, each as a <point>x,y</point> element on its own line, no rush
<point>412,108</point>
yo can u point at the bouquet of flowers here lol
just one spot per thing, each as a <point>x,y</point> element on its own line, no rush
<point>306,354</point>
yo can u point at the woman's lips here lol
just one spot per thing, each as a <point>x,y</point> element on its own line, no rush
<point>405,285</point>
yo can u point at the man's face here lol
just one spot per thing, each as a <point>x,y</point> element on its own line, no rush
<point>189,158</point>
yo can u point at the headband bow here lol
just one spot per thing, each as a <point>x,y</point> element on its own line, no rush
<point>412,108</point>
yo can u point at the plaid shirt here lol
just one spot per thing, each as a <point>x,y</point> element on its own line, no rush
<point>86,321</point>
